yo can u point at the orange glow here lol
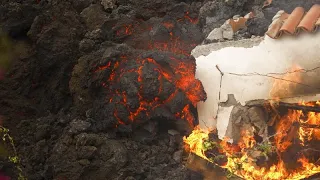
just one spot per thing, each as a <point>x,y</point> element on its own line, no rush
<point>116,116</point>
<point>283,88</point>
<point>175,45</point>
<point>101,68</point>
<point>186,115</point>
<point>125,30</point>
<point>192,20</point>
<point>168,25</point>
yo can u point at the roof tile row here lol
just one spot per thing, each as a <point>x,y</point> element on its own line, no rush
<point>295,22</point>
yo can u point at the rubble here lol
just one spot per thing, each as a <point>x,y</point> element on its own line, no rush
<point>108,4</point>
<point>243,119</point>
<point>204,50</point>
<point>228,29</point>
<point>215,35</point>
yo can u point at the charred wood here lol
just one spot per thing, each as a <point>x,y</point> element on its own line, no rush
<point>294,106</point>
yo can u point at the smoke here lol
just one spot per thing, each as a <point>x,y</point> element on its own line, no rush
<point>250,73</point>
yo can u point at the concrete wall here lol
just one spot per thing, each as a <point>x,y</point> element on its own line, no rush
<point>251,73</point>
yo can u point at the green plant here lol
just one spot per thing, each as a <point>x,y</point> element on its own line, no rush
<point>230,175</point>
<point>218,157</point>
<point>207,145</point>
<point>12,157</point>
<point>266,148</point>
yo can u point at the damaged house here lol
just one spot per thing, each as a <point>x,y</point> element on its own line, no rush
<point>262,100</point>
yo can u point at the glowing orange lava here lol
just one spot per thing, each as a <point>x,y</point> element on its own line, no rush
<point>180,72</point>
<point>183,79</point>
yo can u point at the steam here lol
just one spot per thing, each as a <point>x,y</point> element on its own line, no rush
<point>250,73</point>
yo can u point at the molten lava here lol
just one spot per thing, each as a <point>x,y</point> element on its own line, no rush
<point>178,70</point>
<point>290,152</point>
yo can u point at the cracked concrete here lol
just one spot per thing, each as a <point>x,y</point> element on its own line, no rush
<point>204,50</point>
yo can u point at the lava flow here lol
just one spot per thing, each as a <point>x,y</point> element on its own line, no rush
<point>158,77</point>
<point>290,152</point>
<point>183,80</point>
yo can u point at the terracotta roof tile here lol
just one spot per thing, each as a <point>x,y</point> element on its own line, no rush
<point>274,29</point>
<point>309,21</point>
<point>290,24</point>
<point>295,22</point>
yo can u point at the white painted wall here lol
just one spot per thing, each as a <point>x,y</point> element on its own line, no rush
<point>270,56</point>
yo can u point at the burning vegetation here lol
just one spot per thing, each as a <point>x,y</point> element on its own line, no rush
<point>290,153</point>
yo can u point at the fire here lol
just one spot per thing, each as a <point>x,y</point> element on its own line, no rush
<point>290,153</point>
<point>195,141</point>
<point>243,166</point>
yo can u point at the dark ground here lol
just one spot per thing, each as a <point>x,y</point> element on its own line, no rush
<point>80,73</point>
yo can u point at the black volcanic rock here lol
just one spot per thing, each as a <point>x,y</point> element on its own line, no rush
<point>17,17</point>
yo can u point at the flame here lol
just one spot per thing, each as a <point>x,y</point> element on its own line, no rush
<point>295,132</point>
<point>244,167</point>
<point>195,141</point>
